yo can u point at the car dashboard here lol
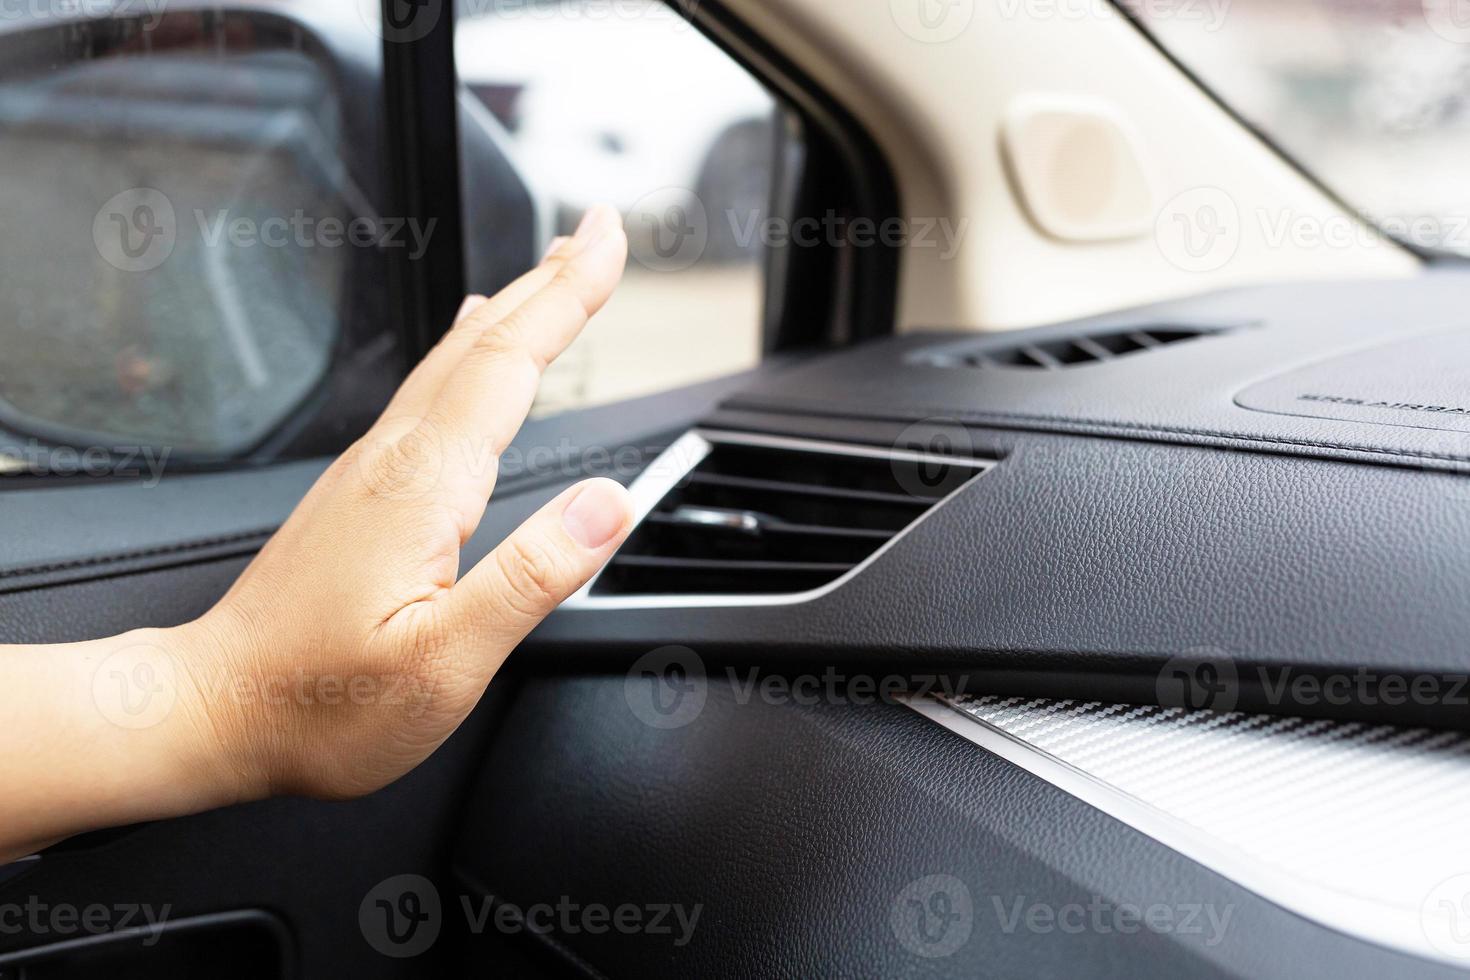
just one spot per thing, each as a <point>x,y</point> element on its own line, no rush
<point>1129,646</point>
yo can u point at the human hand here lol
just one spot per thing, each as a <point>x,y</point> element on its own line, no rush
<point>359,592</point>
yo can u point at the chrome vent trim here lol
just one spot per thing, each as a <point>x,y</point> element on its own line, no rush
<point>689,450</point>
<point>1357,827</point>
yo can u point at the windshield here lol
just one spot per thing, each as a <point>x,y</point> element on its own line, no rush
<point>1370,96</point>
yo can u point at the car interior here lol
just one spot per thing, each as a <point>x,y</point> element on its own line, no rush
<point>1047,421</point>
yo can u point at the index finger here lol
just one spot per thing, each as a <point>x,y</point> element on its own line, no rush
<point>483,402</point>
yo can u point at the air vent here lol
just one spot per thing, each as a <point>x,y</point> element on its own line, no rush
<point>729,514</point>
<point>1062,352</point>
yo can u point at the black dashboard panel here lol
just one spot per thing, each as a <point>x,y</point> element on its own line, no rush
<point>1140,514</point>
<point>582,803</point>
<point>1187,392</point>
<point>1141,509</point>
<point>1082,566</point>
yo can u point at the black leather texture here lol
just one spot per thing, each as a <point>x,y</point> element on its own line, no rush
<point>1083,566</point>
<point>796,831</point>
<point>1187,392</point>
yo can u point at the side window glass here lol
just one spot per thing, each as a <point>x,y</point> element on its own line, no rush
<point>624,102</point>
<point>194,257</point>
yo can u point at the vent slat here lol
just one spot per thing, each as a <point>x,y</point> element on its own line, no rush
<point>833,568</point>
<point>1041,357</point>
<point>808,490</point>
<point>1095,350</point>
<point>777,526</point>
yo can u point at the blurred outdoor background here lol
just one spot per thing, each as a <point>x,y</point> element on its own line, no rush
<point>1371,96</point>
<point>626,103</point>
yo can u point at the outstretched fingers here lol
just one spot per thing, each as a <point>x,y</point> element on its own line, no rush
<point>483,402</point>
<point>442,436</point>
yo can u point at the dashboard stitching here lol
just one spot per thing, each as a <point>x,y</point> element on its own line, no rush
<point>123,556</point>
<point>1092,428</point>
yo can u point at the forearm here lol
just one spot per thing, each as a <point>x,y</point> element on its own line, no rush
<point>104,733</point>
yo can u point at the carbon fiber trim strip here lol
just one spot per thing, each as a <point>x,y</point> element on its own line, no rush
<point>1363,828</point>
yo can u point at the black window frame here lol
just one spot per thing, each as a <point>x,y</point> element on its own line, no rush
<point>815,297</point>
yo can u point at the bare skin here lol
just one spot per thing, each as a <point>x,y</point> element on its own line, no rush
<point>351,647</point>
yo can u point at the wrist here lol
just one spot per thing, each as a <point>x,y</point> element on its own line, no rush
<point>160,700</point>
<point>216,747</point>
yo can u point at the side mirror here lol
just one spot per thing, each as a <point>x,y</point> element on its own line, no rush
<point>183,182</point>
<point>196,246</point>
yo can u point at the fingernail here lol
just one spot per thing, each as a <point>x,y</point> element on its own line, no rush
<point>470,304</point>
<point>556,243</point>
<point>596,514</point>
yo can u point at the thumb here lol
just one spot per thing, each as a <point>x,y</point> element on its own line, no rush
<point>544,561</point>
